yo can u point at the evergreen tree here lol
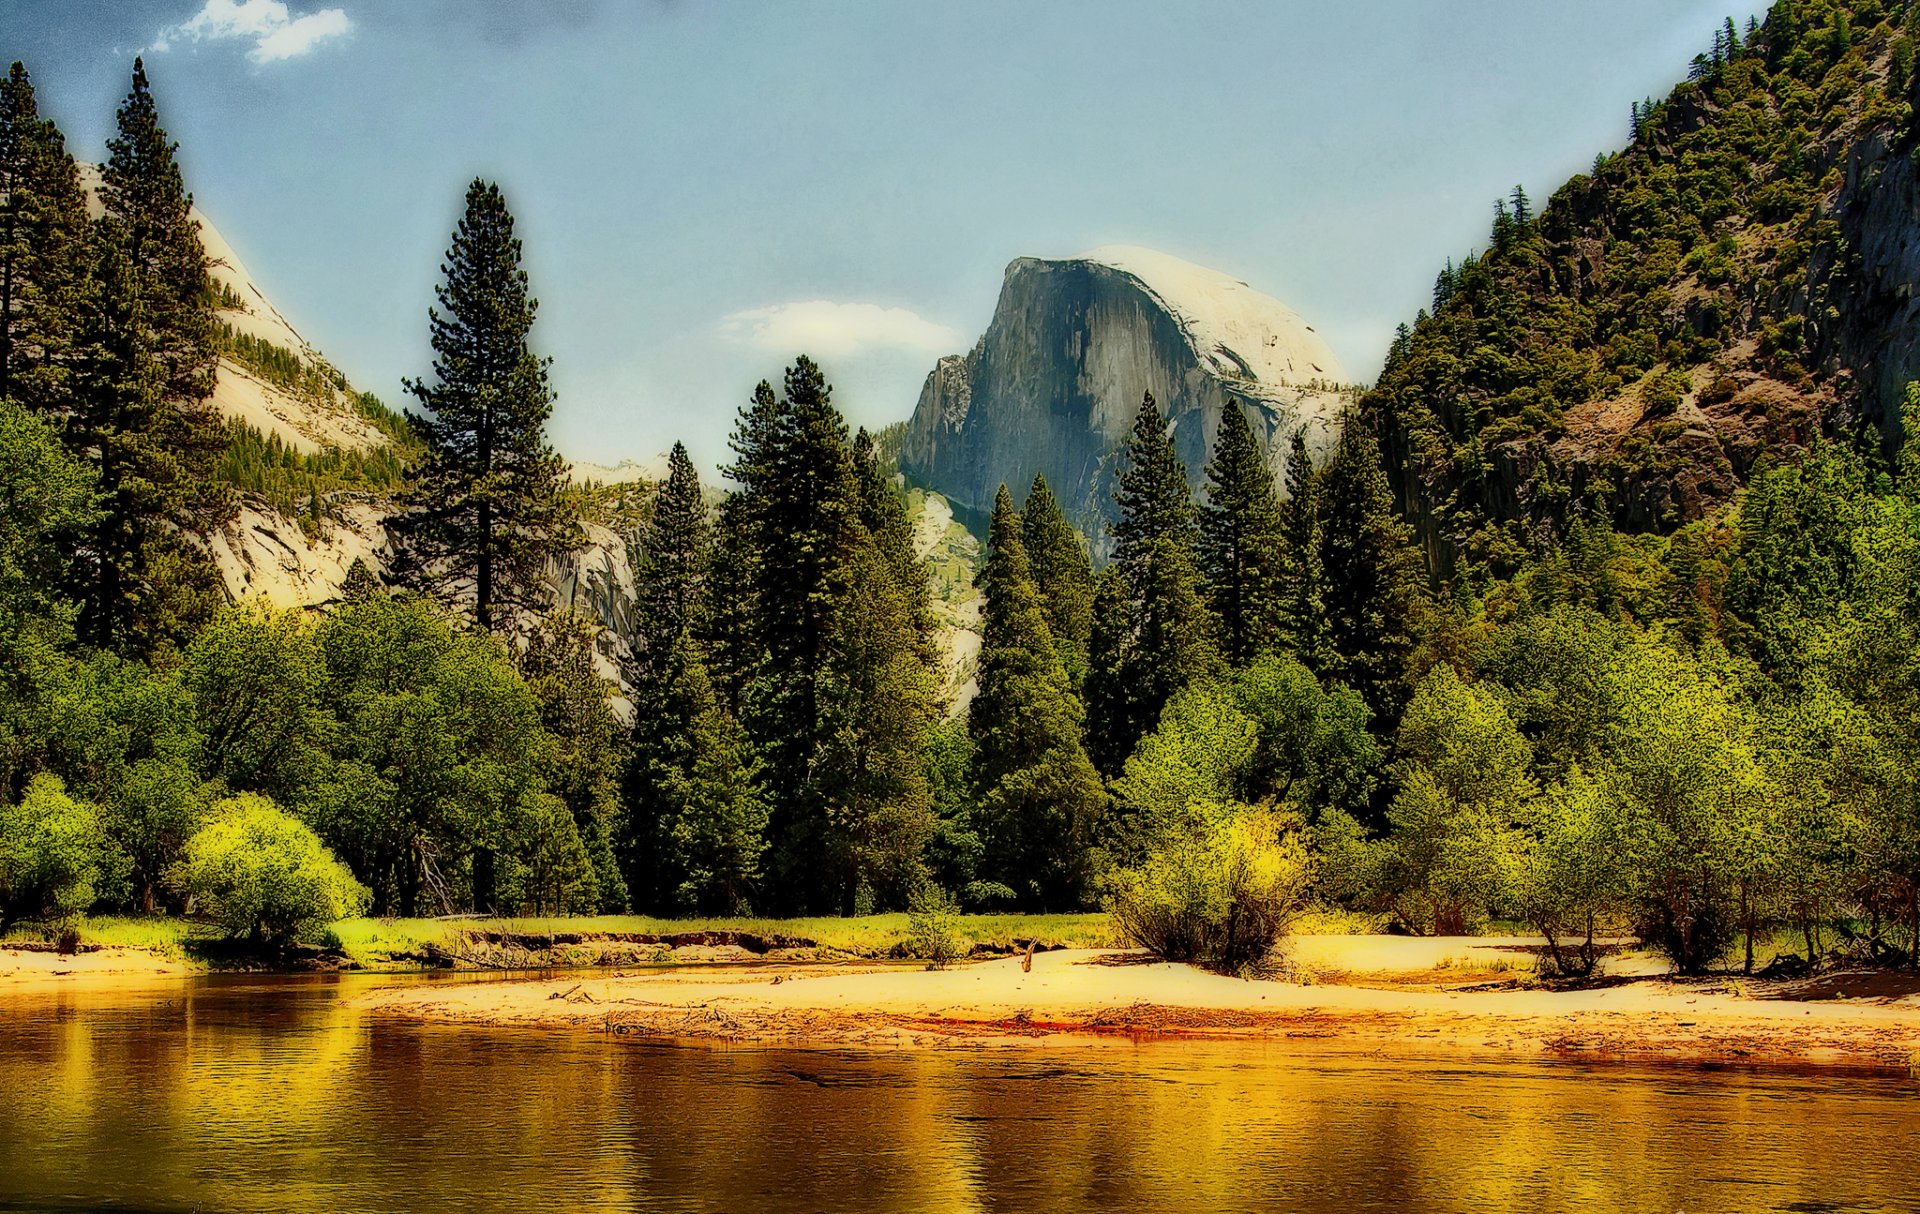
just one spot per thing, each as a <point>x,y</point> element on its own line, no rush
<point>1039,796</point>
<point>143,374</point>
<point>670,556</point>
<point>1165,641</point>
<point>487,511</point>
<point>1241,542</point>
<point>884,515</point>
<point>728,618</point>
<point>1522,206</point>
<point>838,694</point>
<point>708,828</point>
<point>1108,742</point>
<point>585,764</point>
<point>878,715</point>
<point>1062,575</point>
<point>43,251</point>
<point>1303,612</point>
<point>1371,592</point>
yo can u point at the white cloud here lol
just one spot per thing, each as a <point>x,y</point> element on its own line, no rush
<point>825,329</point>
<point>276,34</point>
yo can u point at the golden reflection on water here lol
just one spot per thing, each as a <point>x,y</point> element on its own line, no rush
<point>248,1094</point>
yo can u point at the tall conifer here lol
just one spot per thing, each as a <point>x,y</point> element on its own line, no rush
<point>1166,640</point>
<point>486,513</point>
<point>1371,580</point>
<point>840,695</point>
<point>143,374</point>
<point>1062,575</point>
<point>1039,796</point>
<point>670,556</point>
<point>1241,542</point>
<point>44,253</point>
<point>1303,612</point>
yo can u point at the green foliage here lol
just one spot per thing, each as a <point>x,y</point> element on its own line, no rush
<point>1159,636</point>
<point>1241,543</point>
<point>487,509</point>
<point>1219,889</point>
<point>584,769</point>
<point>1039,797</point>
<point>1708,246</point>
<point>933,919</point>
<point>290,481</point>
<point>55,857</point>
<point>1448,861</point>
<point>1062,575</point>
<point>43,252</point>
<point>1269,734</point>
<point>438,754</point>
<point>139,409</point>
<point>259,872</point>
<point>820,635</point>
<point>713,808</point>
<point>1573,880</point>
<point>1371,590</point>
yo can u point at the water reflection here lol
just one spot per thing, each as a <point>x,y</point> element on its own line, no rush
<point>246,1094</point>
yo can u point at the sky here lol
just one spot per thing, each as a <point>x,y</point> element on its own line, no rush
<point>707,188</point>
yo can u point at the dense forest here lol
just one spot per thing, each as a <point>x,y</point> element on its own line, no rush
<point>1394,683</point>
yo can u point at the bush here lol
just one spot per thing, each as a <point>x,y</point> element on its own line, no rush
<point>933,926</point>
<point>259,872</point>
<point>54,854</point>
<point>1220,891</point>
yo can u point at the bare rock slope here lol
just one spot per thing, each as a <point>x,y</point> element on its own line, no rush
<point>1053,385</point>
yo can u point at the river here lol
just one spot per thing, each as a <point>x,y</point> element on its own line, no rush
<point>241,1094</point>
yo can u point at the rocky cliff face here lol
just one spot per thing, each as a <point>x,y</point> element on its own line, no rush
<point>290,562</point>
<point>1053,385</point>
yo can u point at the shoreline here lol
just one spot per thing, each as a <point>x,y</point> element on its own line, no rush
<point>1090,996</point>
<point>1458,997</point>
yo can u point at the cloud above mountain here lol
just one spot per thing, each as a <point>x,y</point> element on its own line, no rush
<point>276,34</point>
<point>827,329</point>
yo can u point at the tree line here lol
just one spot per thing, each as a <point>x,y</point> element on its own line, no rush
<point>1701,737</point>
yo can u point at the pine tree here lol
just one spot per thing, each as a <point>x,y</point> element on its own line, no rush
<point>712,818</point>
<point>884,515</point>
<point>1039,796</point>
<point>1241,542</point>
<point>669,555</point>
<point>728,617</point>
<point>143,372</point>
<point>877,717</point>
<point>44,252</point>
<point>1109,738</point>
<point>486,513</point>
<point>840,694</point>
<point>1165,642</point>
<point>1303,612</point>
<point>1062,575</point>
<point>584,769</point>
<point>1371,592</point>
<point>1522,206</point>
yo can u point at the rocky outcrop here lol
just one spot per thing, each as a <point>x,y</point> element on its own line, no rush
<point>1053,384</point>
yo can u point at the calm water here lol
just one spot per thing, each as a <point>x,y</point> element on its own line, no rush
<point>243,1094</point>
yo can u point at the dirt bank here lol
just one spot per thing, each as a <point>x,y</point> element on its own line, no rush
<point>93,965</point>
<point>1385,1000</point>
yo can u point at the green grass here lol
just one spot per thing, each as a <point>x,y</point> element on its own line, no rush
<point>372,941</point>
<point>368,940</point>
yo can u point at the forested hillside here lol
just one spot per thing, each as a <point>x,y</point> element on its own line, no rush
<point>1730,284</point>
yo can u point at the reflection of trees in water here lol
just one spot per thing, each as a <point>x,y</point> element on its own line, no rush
<point>208,1094</point>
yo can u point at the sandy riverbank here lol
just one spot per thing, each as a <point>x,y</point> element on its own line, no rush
<point>1385,1000</point>
<point>101,966</point>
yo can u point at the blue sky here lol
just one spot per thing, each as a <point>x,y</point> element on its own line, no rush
<point>707,188</point>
